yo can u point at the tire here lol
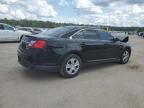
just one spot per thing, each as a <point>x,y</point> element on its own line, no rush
<point>125,56</point>
<point>71,66</point>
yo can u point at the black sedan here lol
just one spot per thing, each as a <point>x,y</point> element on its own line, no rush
<point>65,49</point>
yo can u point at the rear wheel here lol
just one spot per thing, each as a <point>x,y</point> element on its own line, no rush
<point>125,56</point>
<point>71,66</point>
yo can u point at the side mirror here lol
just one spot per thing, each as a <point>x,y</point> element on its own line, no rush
<point>14,29</point>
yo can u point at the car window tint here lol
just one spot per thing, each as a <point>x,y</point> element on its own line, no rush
<point>90,34</point>
<point>8,27</point>
<point>1,27</point>
<point>67,35</point>
<point>105,36</point>
<point>78,35</point>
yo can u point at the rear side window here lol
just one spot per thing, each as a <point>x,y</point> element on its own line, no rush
<point>1,27</point>
<point>67,35</point>
<point>78,35</point>
<point>105,35</point>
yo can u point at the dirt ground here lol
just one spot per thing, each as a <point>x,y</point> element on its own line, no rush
<point>101,86</point>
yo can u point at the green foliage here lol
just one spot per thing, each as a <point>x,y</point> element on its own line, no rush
<point>49,24</point>
<point>32,23</point>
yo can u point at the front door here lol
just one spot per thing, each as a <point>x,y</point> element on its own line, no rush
<point>113,50</point>
<point>93,49</point>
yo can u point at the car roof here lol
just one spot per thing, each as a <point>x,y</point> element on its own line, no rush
<point>79,27</point>
<point>85,27</point>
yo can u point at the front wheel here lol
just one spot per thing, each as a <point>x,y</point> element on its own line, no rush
<point>125,56</point>
<point>71,66</point>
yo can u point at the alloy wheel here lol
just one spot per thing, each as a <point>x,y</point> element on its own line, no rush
<point>72,66</point>
<point>125,56</point>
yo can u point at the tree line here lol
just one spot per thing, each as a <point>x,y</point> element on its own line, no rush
<point>49,24</point>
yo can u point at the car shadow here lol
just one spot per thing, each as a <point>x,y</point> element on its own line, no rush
<point>39,75</point>
<point>97,67</point>
<point>45,75</point>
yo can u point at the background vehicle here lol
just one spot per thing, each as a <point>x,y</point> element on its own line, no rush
<point>32,30</point>
<point>37,30</point>
<point>65,49</point>
<point>9,33</point>
<point>29,29</point>
<point>141,34</point>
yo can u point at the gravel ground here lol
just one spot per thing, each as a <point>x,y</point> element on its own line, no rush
<point>101,86</point>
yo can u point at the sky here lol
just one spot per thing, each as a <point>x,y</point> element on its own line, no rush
<point>94,12</point>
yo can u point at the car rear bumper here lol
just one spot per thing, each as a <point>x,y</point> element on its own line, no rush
<point>23,60</point>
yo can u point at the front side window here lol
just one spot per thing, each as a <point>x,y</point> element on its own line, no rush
<point>105,36</point>
<point>6,27</point>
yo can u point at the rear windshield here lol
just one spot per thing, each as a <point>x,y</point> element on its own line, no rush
<point>55,32</point>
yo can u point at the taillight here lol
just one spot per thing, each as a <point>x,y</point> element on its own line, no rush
<point>37,44</point>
